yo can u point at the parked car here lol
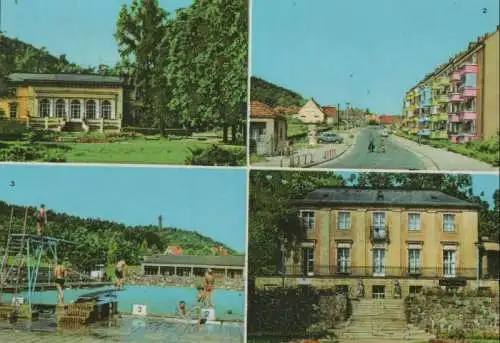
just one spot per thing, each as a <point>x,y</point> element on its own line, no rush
<point>384,133</point>
<point>330,137</point>
<point>424,133</point>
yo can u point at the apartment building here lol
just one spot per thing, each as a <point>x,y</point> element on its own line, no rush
<point>459,100</point>
<point>418,237</point>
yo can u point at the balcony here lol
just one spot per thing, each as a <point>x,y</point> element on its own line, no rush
<point>455,76</point>
<point>467,115</point>
<point>442,116</point>
<point>440,82</point>
<point>439,135</point>
<point>468,68</point>
<point>455,97</point>
<point>453,118</point>
<point>468,92</point>
<point>414,271</point>
<point>379,234</point>
<point>443,98</point>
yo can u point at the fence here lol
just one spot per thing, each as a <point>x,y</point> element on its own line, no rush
<point>343,270</point>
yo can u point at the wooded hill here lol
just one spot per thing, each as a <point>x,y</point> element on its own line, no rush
<point>98,241</point>
<point>274,95</point>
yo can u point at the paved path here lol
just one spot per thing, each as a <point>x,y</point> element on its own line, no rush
<point>395,157</point>
<point>443,159</point>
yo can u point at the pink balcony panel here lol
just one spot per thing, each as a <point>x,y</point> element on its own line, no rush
<point>453,118</point>
<point>468,92</point>
<point>467,115</point>
<point>454,138</point>
<point>455,76</point>
<point>469,68</point>
<point>455,97</point>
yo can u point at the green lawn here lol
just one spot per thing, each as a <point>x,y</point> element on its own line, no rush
<point>162,151</point>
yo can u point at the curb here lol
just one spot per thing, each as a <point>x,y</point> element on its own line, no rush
<point>428,162</point>
<point>331,159</point>
<point>336,156</point>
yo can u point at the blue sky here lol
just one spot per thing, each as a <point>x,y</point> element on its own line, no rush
<point>210,201</point>
<point>314,46</point>
<point>487,183</point>
<point>81,29</point>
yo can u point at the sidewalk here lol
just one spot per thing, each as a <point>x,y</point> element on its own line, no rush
<point>309,157</point>
<point>439,159</point>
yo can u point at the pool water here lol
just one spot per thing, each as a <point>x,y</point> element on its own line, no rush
<point>126,329</point>
<point>159,300</point>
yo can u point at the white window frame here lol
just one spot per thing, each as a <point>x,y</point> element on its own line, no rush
<point>415,225</point>
<point>309,260</point>
<point>309,223</point>
<point>106,109</point>
<point>60,111</point>
<point>343,259</point>
<point>378,259</point>
<point>90,109</point>
<point>414,262</point>
<point>75,108</point>
<point>344,223</point>
<point>449,264</point>
<point>44,108</point>
<point>446,226</point>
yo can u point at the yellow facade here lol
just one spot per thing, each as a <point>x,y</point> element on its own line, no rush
<point>419,246</point>
<point>86,103</point>
<point>431,238</point>
<point>491,90</point>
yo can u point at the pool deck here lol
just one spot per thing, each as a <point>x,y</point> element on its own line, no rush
<point>46,286</point>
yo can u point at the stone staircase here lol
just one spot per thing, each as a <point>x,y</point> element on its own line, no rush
<point>380,320</point>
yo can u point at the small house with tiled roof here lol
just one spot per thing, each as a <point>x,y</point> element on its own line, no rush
<point>311,113</point>
<point>331,115</point>
<point>268,130</point>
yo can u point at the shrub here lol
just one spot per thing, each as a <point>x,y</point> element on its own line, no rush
<point>11,130</point>
<point>294,312</point>
<point>216,156</point>
<point>149,131</point>
<point>21,152</point>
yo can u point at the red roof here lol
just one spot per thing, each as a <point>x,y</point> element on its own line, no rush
<point>329,111</point>
<point>386,119</point>
<point>175,251</point>
<point>259,109</point>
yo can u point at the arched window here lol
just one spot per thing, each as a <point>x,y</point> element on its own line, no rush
<point>90,109</point>
<point>60,108</point>
<point>106,109</point>
<point>44,108</point>
<point>75,109</point>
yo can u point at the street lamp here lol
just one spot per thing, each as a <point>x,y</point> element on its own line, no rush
<point>269,177</point>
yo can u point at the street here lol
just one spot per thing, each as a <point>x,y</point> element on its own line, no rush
<point>395,157</point>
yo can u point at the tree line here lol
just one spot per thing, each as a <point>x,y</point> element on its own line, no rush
<point>97,241</point>
<point>186,69</point>
<point>272,218</point>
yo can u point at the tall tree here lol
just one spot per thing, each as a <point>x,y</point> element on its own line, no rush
<point>141,29</point>
<point>272,219</point>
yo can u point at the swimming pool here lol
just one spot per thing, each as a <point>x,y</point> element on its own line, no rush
<point>126,329</point>
<point>159,300</point>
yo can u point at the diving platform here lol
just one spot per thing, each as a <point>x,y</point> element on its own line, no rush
<point>50,286</point>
